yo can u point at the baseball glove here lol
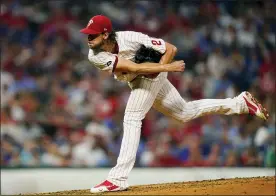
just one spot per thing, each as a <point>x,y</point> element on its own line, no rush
<point>145,54</point>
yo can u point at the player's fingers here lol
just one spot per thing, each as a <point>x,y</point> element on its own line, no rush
<point>181,62</point>
<point>182,66</point>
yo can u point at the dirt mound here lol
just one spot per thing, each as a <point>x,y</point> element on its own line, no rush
<point>236,186</point>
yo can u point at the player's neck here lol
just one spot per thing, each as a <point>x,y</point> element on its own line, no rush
<point>109,47</point>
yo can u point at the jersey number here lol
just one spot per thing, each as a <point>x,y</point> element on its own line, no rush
<point>155,42</point>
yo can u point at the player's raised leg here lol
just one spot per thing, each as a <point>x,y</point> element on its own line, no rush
<point>170,103</point>
<point>141,99</point>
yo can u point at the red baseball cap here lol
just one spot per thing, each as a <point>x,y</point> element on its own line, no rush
<point>98,24</point>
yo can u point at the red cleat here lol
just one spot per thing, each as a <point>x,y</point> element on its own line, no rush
<point>254,107</point>
<point>106,186</point>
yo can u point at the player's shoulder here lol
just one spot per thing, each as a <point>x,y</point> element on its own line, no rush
<point>128,34</point>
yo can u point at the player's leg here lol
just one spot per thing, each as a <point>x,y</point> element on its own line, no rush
<point>170,103</point>
<point>141,99</point>
<point>143,94</point>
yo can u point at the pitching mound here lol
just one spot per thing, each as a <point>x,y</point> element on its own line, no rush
<point>236,186</point>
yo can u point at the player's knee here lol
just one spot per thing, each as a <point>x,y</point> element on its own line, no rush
<point>132,123</point>
<point>134,116</point>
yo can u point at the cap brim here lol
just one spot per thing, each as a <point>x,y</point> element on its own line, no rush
<point>89,31</point>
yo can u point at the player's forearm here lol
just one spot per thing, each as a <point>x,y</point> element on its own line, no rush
<point>170,53</point>
<point>147,68</point>
<point>128,66</point>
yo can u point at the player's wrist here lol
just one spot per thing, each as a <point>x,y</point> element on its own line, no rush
<point>165,67</point>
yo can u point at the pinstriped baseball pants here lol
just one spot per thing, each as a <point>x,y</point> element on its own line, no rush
<point>162,95</point>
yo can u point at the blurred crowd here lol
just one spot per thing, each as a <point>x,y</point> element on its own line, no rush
<point>57,110</point>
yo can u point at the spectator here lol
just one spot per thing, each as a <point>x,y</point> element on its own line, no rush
<point>216,63</point>
<point>231,159</point>
<point>30,154</point>
<point>91,151</point>
<point>270,160</point>
<point>213,158</point>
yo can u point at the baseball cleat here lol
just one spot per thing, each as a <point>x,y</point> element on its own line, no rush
<point>106,186</point>
<point>254,107</point>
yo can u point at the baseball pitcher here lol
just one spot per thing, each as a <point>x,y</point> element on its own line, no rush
<point>144,62</point>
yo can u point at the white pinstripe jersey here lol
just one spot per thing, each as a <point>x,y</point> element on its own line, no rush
<point>128,43</point>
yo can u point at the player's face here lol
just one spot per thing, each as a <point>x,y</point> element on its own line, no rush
<point>95,41</point>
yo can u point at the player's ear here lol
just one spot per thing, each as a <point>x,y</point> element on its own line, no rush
<point>105,35</point>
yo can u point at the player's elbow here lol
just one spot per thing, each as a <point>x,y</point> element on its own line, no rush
<point>174,49</point>
<point>171,48</point>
